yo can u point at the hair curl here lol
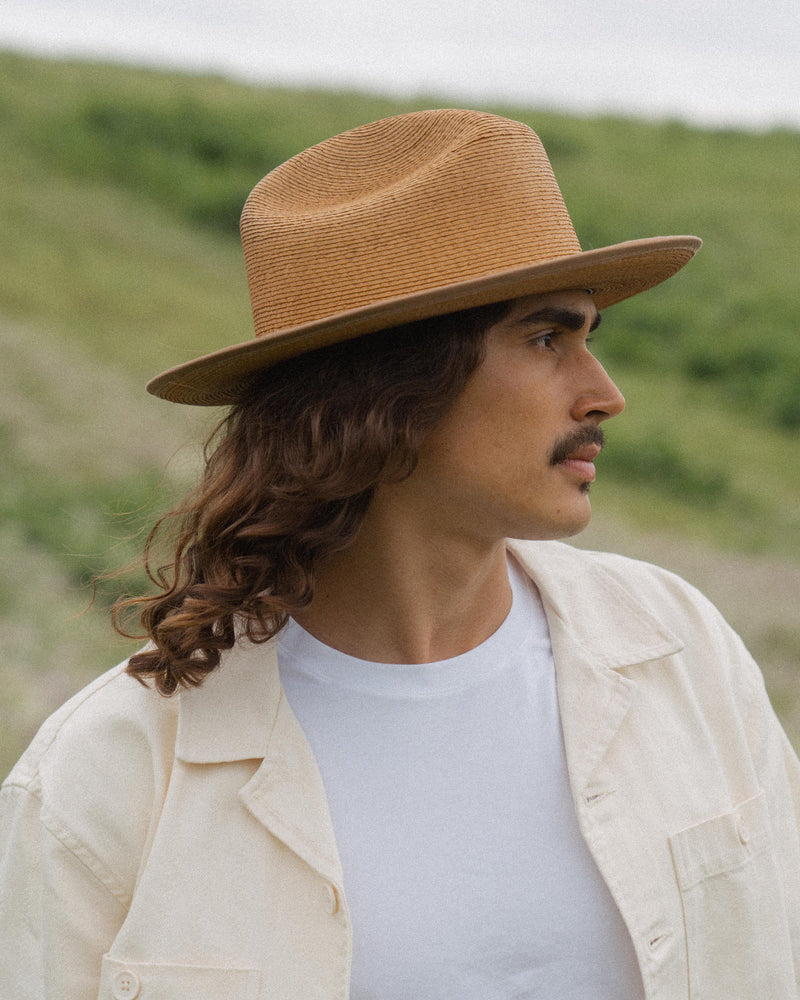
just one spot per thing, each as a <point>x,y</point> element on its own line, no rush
<point>289,474</point>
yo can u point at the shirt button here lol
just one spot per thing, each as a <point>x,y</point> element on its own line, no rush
<point>125,986</point>
<point>332,899</point>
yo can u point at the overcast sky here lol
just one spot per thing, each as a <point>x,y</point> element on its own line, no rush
<point>708,61</point>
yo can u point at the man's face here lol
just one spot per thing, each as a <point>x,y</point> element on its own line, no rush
<point>513,457</point>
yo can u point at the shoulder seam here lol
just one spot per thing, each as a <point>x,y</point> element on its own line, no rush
<point>70,842</point>
<point>51,825</point>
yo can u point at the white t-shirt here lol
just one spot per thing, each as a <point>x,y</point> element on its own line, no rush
<point>465,871</point>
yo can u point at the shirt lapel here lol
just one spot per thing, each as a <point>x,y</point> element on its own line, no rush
<point>597,628</point>
<point>241,713</point>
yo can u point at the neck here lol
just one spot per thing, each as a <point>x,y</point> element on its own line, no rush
<point>409,591</point>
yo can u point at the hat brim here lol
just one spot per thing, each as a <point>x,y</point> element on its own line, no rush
<point>612,274</point>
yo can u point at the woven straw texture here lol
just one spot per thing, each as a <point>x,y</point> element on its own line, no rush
<point>402,219</point>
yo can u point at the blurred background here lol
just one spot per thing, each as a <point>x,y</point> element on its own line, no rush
<point>130,135</point>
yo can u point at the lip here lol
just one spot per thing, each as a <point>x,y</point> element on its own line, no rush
<point>581,462</point>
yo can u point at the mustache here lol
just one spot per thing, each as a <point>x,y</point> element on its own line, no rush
<point>574,441</point>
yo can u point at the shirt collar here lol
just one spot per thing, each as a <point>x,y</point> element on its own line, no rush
<point>231,716</point>
<point>592,606</point>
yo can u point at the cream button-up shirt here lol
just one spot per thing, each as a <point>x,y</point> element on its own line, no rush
<point>178,848</point>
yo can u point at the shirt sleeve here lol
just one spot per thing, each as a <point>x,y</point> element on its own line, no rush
<point>57,914</point>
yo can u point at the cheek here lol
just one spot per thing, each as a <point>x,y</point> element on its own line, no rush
<point>519,426</point>
<point>505,421</point>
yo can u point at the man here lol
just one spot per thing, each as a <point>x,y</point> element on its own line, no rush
<point>407,757</point>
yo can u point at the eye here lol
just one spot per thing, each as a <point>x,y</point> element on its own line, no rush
<point>544,339</point>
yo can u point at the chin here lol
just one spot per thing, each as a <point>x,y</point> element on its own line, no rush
<point>567,525</point>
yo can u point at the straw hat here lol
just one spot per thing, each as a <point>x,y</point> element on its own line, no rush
<point>410,217</point>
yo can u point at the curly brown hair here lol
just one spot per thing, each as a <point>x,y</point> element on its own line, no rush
<point>289,474</point>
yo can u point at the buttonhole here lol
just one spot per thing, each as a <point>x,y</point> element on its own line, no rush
<point>590,800</point>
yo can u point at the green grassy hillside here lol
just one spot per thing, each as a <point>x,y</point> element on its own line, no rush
<point>119,196</point>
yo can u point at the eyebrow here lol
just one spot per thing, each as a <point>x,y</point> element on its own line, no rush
<point>569,318</point>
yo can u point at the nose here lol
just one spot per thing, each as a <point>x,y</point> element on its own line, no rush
<point>602,400</point>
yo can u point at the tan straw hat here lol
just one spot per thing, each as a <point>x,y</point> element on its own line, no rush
<point>406,218</point>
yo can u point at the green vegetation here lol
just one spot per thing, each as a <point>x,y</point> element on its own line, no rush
<point>120,191</point>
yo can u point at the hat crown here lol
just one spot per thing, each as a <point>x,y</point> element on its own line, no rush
<point>398,207</point>
<point>379,157</point>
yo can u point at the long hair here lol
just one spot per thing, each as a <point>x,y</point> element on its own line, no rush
<point>289,474</point>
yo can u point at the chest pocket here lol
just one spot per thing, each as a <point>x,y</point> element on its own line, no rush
<point>737,932</point>
<point>142,981</point>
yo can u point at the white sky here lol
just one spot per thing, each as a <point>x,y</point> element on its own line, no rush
<point>709,61</point>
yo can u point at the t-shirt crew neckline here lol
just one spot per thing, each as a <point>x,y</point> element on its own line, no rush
<point>524,623</point>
